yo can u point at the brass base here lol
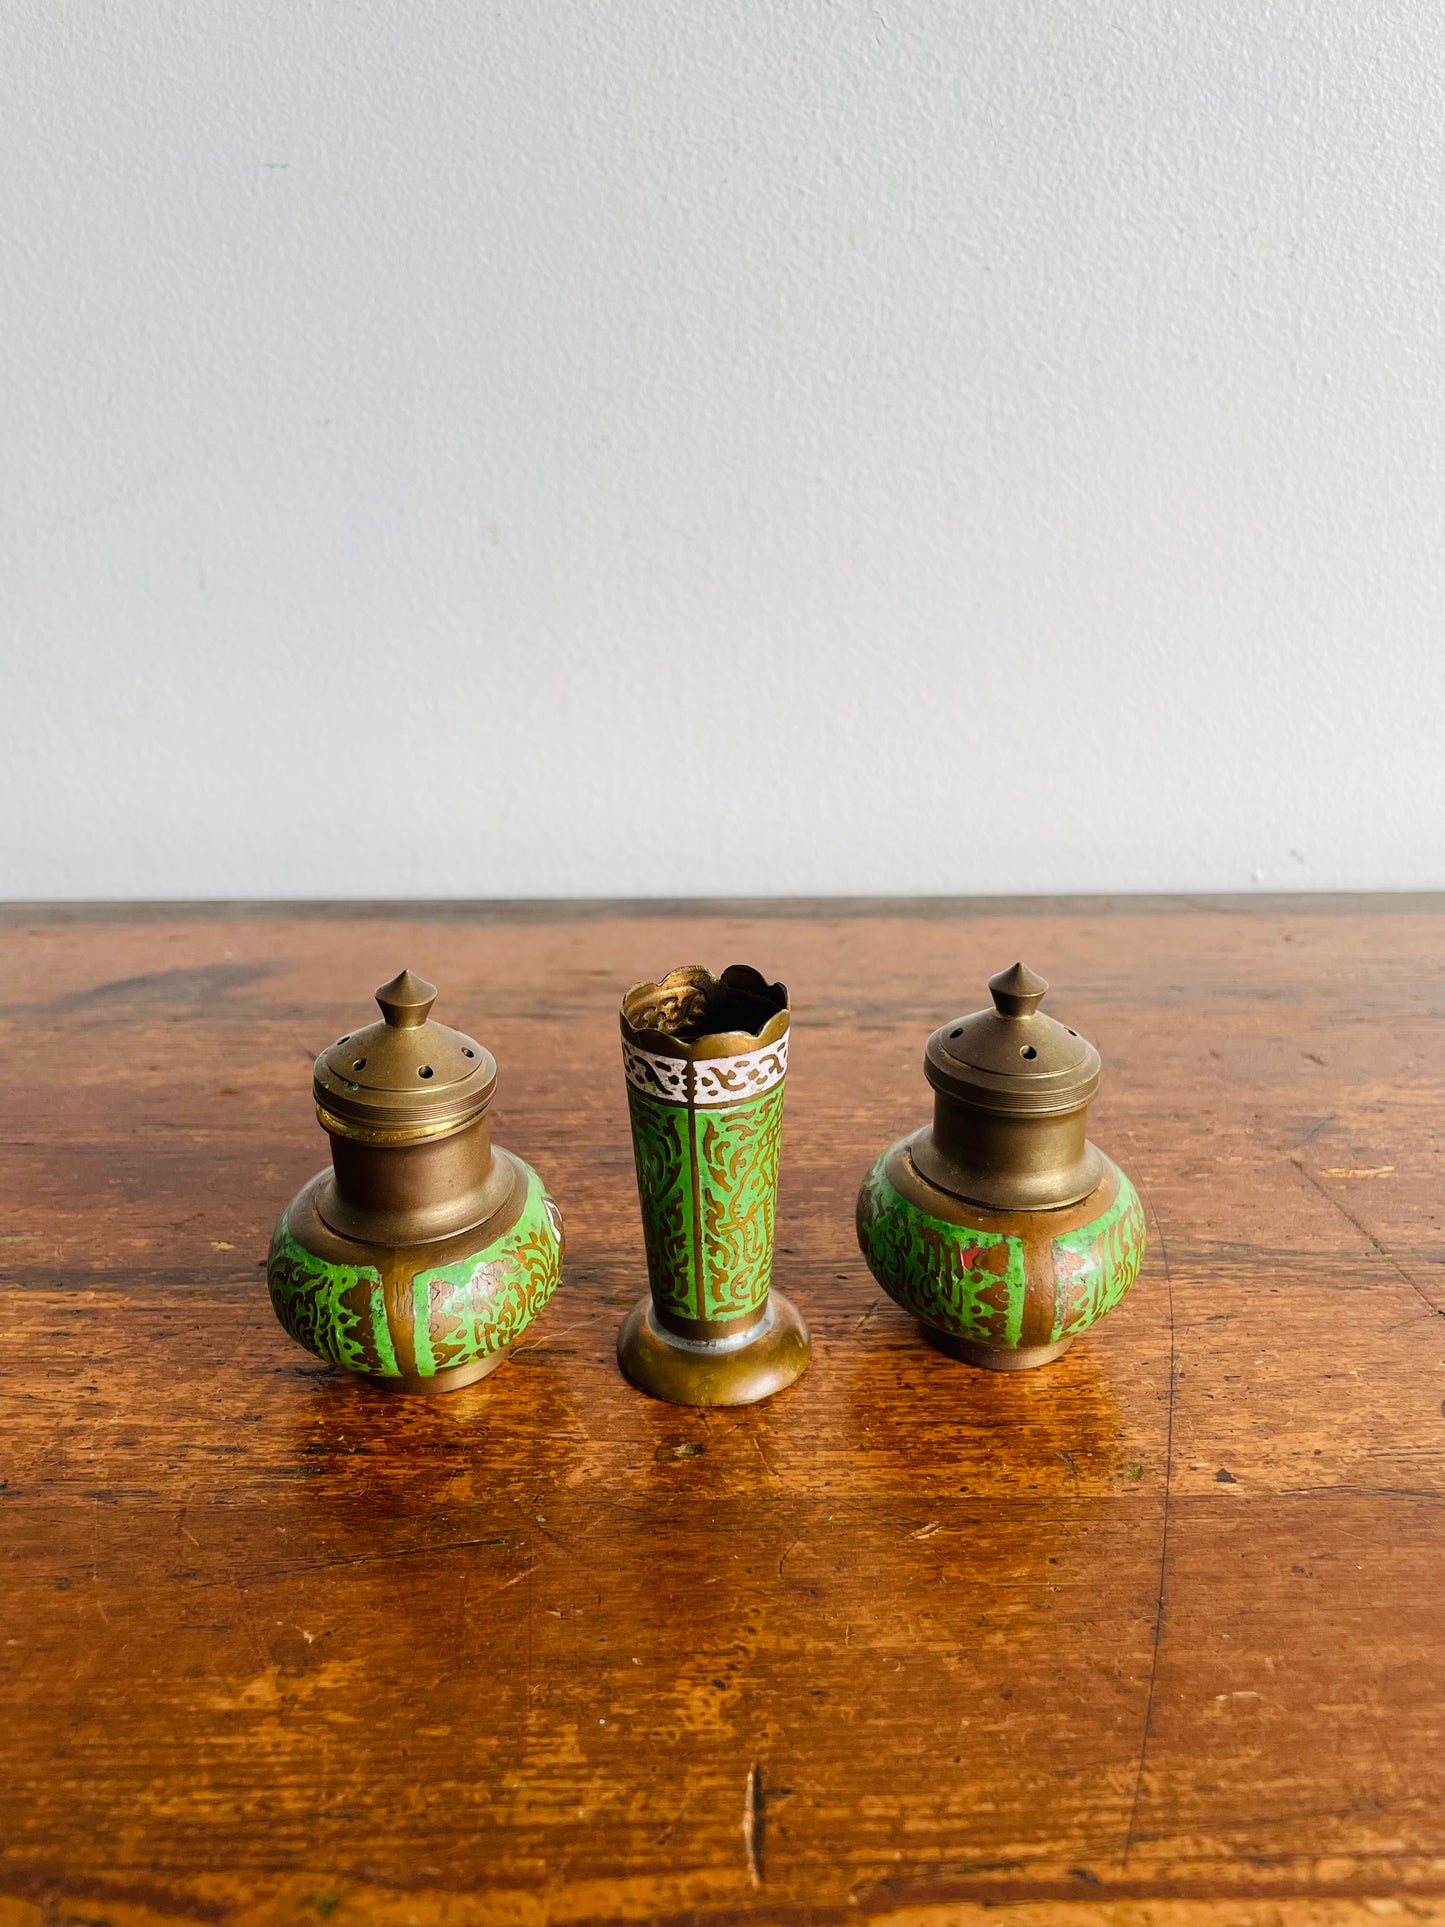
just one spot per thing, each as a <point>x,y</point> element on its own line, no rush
<point>452,1378</point>
<point>996,1358</point>
<point>687,1371</point>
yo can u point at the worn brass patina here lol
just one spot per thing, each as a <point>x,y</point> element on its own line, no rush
<point>1000,1226</point>
<point>422,1252</point>
<point>705,1059</point>
<point>1011,1097</point>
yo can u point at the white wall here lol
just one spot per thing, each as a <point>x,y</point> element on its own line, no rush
<point>752,446</point>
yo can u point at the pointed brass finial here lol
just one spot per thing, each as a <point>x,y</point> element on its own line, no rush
<point>1017,992</point>
<point>406,1000</point>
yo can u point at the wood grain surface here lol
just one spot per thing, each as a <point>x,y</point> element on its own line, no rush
<point>1154,1637</point>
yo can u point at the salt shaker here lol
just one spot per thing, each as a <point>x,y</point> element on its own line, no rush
<point>1000,1226</point>
<point>423,1251</point>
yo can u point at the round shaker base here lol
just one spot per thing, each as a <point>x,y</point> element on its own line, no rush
<point>996,1358</point>
<point>453,1379</point>
<point>723,1372</point>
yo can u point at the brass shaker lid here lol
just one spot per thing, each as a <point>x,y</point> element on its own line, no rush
<point>1012,1058</point>
<point>405,1077</point>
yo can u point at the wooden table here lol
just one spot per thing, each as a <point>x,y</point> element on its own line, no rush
<point>1154,1635</point>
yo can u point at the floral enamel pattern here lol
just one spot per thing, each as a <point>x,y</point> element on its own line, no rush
<point>707,1176</point>
<point>712,1080</point>
<point>461,1312</point>
<point>971,1283</point>
<point>336,1311</point>
<point>1095,1265</point>
<point>470,1309</point>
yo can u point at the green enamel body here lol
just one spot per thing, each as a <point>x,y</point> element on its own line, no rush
<point>708,1182</point>
<point>455,1314</point>
<point>972,1283</point>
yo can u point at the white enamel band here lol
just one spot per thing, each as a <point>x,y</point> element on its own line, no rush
<point>716,1080</point>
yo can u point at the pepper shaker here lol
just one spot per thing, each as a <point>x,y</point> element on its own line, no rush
<point>423,1251</point>
<point>999,1226</point>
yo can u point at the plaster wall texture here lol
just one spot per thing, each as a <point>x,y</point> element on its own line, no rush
<point>847,446</point>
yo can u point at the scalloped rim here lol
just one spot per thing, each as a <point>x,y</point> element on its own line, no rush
<point>718,1043</point>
